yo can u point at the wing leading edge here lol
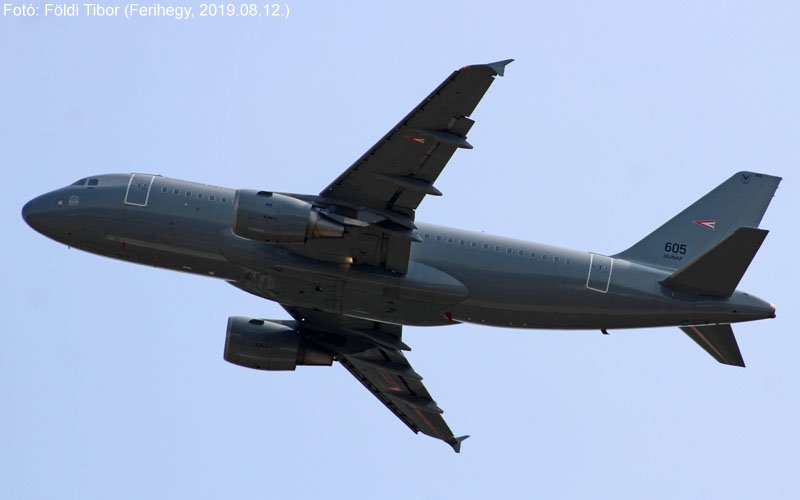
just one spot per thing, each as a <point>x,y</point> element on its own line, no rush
<point>371,352</point>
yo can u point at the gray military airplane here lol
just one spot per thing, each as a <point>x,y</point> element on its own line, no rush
<point>351,265</point>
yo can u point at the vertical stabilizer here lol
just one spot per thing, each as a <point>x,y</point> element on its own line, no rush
<point>741,201</point>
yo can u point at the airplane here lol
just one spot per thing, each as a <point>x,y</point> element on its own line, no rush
<point>352,265</point>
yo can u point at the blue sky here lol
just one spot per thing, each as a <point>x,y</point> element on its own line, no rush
<point>614,117</point>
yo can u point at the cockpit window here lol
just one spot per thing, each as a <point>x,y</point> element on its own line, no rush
<point>94,182</point>
<point>79,183</point>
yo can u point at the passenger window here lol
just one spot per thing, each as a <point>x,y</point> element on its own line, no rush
<point>427,236</point>
<point>556,259</point>
<point>509,250</point>
<point>449,240</point>
<point>438,237</point>
<point>569,261</point>
<point>94,182</point>
<point>164,189</point>
<point>461,242</point>
<point>521,252</point>
<point>486,246</point>
<point>533,255</point>
<point>177,191</point>
<point>497,248</point>
<point>212,197</point>
<point>188,193</point>
<point>474,244</point>
<point>224,200</point>
<point>199,196</point>
<point>544,256</point>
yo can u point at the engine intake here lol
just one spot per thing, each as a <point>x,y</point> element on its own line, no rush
<point>277,218</point>
<point>264,345</point>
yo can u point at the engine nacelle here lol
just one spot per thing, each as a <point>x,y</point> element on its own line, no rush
<point>277,218</point>
<point>264,345</point>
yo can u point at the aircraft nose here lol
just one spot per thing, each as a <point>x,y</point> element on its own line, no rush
<point>36,211</point>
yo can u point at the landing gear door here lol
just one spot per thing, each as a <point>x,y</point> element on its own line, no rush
<point>138,191</point>
<point>600,268</point>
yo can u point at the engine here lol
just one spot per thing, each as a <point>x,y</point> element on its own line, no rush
<point>277,218</point>
<point>264,345</point>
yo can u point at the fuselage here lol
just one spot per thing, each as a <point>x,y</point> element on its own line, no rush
<point>453,275</point>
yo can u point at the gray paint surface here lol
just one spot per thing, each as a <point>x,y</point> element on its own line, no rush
<point>355,268</point>
<point>613,117</point>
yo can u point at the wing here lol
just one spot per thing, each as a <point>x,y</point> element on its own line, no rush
<point>397,172</point>
<point>377,196</point>
<point>371,352</point>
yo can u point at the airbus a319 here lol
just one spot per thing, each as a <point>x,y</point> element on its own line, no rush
<point>352,265</point>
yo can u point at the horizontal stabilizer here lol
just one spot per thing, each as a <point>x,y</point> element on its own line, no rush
<point>718,341</point>
<point>719,269</point>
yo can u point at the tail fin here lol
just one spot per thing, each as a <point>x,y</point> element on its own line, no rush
<point>740,201</point>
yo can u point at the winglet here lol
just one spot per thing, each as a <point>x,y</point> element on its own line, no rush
<point>499,67</point>
<point>455,442</point>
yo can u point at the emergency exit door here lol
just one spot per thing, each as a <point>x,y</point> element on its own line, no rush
<point>139,189</point>
<point>600,268</point>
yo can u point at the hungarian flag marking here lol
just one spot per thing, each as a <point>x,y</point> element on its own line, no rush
<point>708,224</point>
<point>416,138</point>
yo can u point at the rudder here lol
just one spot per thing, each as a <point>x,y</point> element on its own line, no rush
<point>740,201</point>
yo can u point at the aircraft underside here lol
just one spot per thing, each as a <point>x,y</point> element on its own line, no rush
<point>351,265</point>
